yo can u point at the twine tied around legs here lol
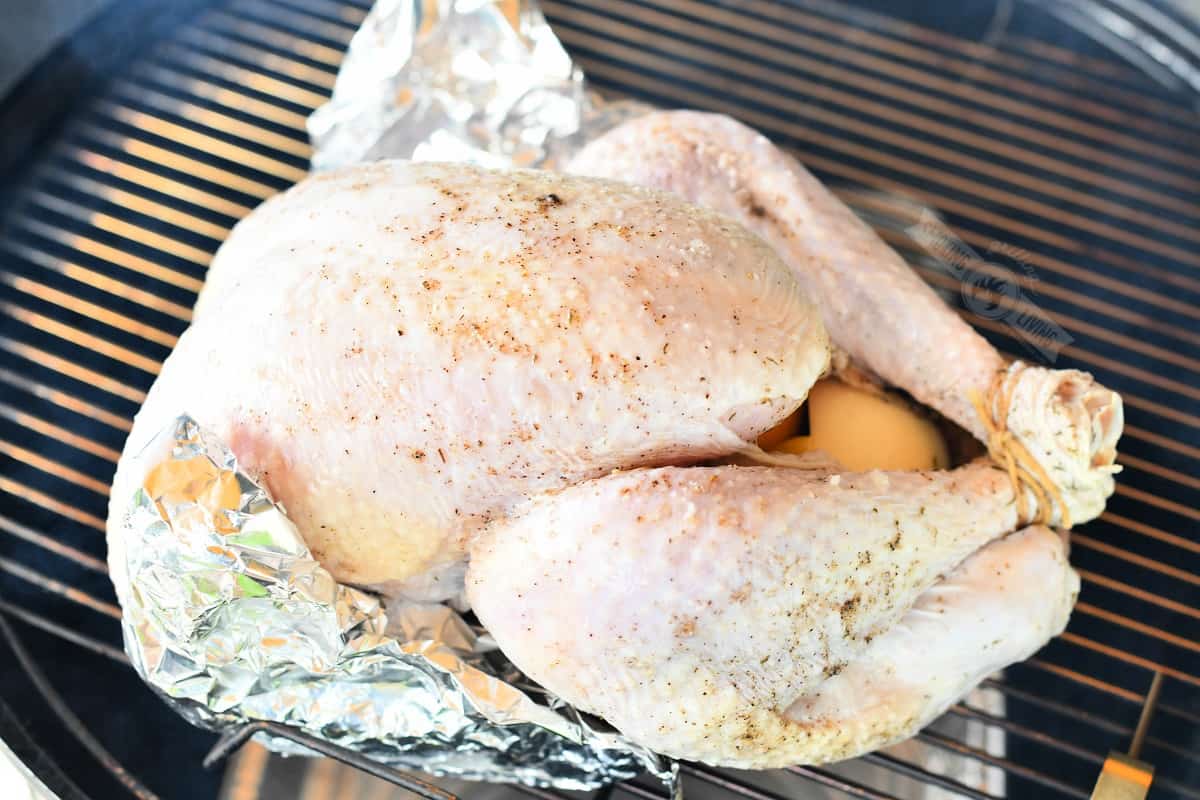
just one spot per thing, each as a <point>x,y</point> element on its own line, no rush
<point>1006,449</point>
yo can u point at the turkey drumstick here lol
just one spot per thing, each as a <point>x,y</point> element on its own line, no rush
<point>726,614</point>
<point>1059,427</point>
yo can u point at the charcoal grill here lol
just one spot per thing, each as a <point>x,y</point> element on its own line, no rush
<point>1049,140</point>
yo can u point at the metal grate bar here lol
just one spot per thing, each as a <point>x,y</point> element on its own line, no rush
<point>158,210</point>
<point>1121,732</point>
<point>905,245</point>
<point>642,792</point>
<point>142,205</point>
<point>59,588</point>
<point>1026,733</point>
<point>1082,539</point>
<point>116,169</point>
<point>844,785</point>
<point>52,431</point>
<point>246,55</point>
<point>107,253</point>
<point>1020,770</point>
<point>1174,476</point>
<point>346,13</point>
<point>938,278</point>
<point>196,62</point>
<point>125,230</point>
<point>891,119</point>
<point>70,369</point>
<point>56,704</point>
<point>740,789</point>
<point>1055,743</point>
<point>619,78</point>
<point>87,341</point>
<point>52,545</point>
<point>118,289</point>
<point>1140,594</point>
<point>1089,119</point>
<point>265,36</point>
<point>1108,688</point>
<point>52,467</point>
<point>1038,91</point>
<point>1113,366</point>
<point>66,634</point>
<point>39,498</point>
<point>195,169</point>
<point>925,776</point>
<point>1129,658</point>
<point>201,142</point>
<point>1120,287</point>
<point>236,738</point>
<point>868,73</point>
<point>84,308</point>
<point>1033,50</point>
<point>307,25</point>
<point>160,76</point>
<point>1033,56</point>
<point>64,400</point>
<point>216,121</point>
<point>1135,625</point>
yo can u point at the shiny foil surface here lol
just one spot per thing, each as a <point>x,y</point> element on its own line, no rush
<point>484,81</point>
<point>229,617</point>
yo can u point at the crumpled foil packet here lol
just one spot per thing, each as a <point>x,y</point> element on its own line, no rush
<point>227,614</point>
<point>484,81</point>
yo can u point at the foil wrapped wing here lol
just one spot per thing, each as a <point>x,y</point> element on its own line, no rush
<point>227,614</point>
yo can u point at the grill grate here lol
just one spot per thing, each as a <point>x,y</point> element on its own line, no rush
<point>1076,169</point>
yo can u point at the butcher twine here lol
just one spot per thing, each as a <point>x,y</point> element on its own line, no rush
<point>1007,450</point>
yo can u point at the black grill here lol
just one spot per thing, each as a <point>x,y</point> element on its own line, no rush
<point>131,152</point>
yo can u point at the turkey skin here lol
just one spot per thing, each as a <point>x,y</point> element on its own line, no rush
<point>401,351</point>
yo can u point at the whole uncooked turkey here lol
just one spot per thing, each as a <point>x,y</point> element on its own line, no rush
<point>426,361</point>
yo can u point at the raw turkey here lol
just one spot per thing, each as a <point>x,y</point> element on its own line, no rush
<point>426,362</point>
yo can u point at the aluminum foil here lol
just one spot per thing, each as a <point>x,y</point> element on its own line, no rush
<point>227,614</point>
<point>458,80</point>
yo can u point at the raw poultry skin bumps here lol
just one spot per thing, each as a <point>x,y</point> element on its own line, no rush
<point>401,351</point>
<point>757,617</point>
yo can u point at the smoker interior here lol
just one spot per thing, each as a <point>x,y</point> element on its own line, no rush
<point>1045,141</point>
